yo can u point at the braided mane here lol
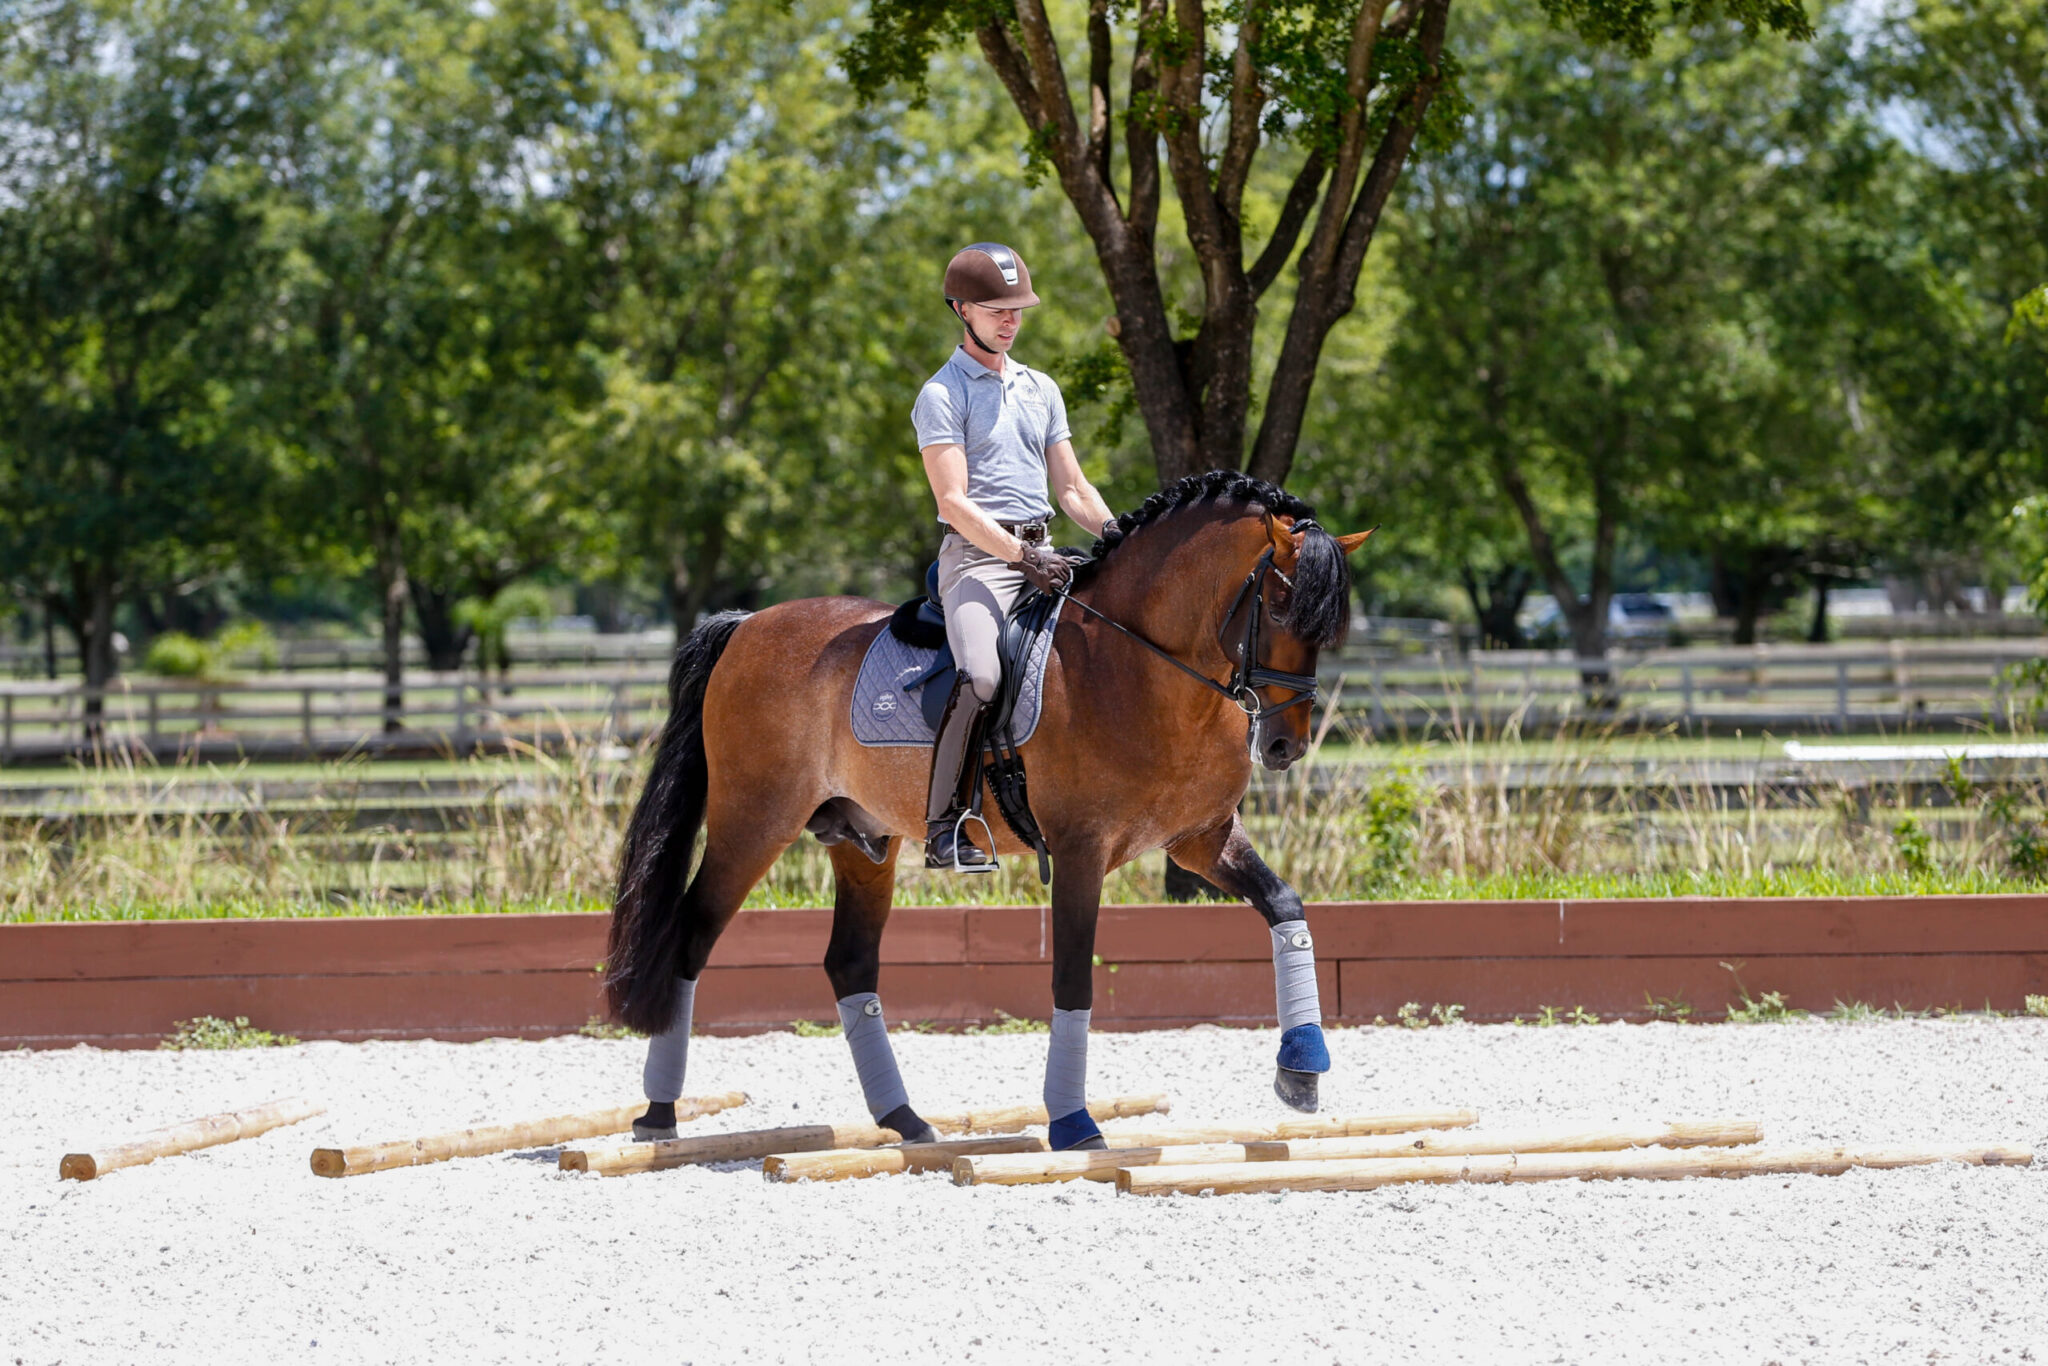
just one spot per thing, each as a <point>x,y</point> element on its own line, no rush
<point>1321,608</point>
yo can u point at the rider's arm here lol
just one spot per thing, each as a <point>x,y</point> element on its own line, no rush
<point>1075,493</point>
<point>945,464</point>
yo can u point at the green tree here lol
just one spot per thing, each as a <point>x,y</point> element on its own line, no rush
<point>1590,344</point>
<point>433,317</point>
<point>1347,86</point>
<point>132,260</point>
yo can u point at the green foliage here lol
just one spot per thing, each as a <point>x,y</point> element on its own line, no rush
<point>1673,1008</point>
<point>1385,825</point>
<point>1770,1008</point>
<point>596,1027</point>
<point>2037,1006</point>
<point>1006,1023</point>
<point>811,1029</point>
<point>174,654</point>
<point>177,655</point>
<point>1549,1017</point>
<point>1913,847</point>
<point>1410,1015</point>
<point>207,1032</point>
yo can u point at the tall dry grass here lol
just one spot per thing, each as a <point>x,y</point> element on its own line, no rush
<point>540,829</point>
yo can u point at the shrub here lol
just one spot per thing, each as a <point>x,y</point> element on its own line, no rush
<point>212,1032</point>
<point>177,655</point>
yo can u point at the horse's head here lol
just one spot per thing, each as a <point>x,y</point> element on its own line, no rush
<point>1294,603</point>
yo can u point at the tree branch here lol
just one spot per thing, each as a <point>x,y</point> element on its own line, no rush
<point>1322,244</point>
<point>1141,129</point>
<point>1301,198</point>
<point>1008,64</point>
<point>1098,89</point>
<point>1247,102</point>
<point>1050,78</point>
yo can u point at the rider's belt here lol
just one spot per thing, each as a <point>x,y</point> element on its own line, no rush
<point>1032,533</point>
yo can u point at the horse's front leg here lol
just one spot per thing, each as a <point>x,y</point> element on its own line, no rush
<point>1225,856</point>
<point>1076,901</point>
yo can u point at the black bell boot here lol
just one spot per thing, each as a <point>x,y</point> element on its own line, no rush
<point>959,736</point>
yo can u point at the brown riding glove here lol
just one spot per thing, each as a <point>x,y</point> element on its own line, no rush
<point>1043,567</point>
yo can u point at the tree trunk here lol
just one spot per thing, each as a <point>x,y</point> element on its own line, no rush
<point>90,615</point>
<point>1496,603</point>
<point>395,592</point>
<point>1817,629</point>
<point>690,583</point>
<point>49,641</point>
<point>444,640</point>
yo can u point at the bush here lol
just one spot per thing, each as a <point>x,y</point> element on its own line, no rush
<point>177,655</point>
<point>212,1032</point>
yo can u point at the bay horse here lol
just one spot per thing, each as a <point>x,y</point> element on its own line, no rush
<point>1219,576</point>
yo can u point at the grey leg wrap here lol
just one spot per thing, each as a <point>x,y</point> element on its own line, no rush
<point>866,1034</point>
<point>668,1053</point>
<point>1294,975</point>
<point>1066,1063</point>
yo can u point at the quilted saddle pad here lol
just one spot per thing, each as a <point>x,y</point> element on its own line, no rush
<point>889,693</point>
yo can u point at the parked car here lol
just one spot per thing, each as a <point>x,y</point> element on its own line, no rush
<point>1630,616</point>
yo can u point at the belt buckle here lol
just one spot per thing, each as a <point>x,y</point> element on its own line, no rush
<point>1032,533</point>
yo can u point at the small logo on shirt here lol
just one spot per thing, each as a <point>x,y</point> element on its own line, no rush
<point>884,705</point>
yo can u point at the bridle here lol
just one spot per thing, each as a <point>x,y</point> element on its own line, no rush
<point>1247,675</point>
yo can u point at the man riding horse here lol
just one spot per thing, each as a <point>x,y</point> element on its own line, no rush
<point>1188,656</point>
<point>992,431</point>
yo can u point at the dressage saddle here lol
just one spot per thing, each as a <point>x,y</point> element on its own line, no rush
<point>921,624</point>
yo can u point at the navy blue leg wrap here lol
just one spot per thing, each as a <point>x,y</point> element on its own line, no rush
<point>1072,1131</point>
<point>1302,1049</point>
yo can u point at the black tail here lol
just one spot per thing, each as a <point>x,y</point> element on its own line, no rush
<point>648,927</point>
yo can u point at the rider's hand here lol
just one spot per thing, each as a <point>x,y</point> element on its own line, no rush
<point>1043,567</point>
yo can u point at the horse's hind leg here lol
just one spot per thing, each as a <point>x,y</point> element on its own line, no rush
<point>1225,856</point>
<point>863,892</point>
<point>736,856</point>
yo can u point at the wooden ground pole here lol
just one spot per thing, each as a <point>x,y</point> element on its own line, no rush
<point>498,1138</point>
<point>1653,1164</point>
<point>186,1137</point>
<point>843,1163</point>
<point>1029,1168</point>
<point>665,1154</point>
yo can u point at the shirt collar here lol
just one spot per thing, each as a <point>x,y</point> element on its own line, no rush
<point>974,369</point>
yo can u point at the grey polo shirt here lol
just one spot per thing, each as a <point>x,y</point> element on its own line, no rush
<point>1004,420</point>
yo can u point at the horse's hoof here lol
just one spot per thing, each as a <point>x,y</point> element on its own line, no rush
<point>1298,1089</point>
<point>658,1122</point>
<point>906,1122</point>
<point>1075,1133</point>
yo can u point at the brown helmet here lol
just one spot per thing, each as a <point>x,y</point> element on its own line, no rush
<point>989,274</point>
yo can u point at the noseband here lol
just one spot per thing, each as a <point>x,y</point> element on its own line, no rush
<point>1247,675</point>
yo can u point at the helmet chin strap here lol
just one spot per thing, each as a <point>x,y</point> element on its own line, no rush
<point>961,314</point>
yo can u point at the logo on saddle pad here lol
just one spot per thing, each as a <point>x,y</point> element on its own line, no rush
<point>884,705</point>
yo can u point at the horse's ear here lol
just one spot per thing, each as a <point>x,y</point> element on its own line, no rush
<point>1355,539</point>
<point>1286,544</point>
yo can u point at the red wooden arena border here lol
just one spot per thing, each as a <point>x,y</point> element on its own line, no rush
<point>122,985</point>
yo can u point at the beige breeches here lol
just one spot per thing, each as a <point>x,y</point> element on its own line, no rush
<point>977,590</point>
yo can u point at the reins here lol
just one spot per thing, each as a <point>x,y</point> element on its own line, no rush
<point>1247,675</point>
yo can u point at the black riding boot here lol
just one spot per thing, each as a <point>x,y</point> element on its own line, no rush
<point>952,769</point>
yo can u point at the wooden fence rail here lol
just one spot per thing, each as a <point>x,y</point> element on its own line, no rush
<point>473,976</point>
<point>1811,688</point>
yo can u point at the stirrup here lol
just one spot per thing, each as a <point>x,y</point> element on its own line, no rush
<point>959,838</point>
